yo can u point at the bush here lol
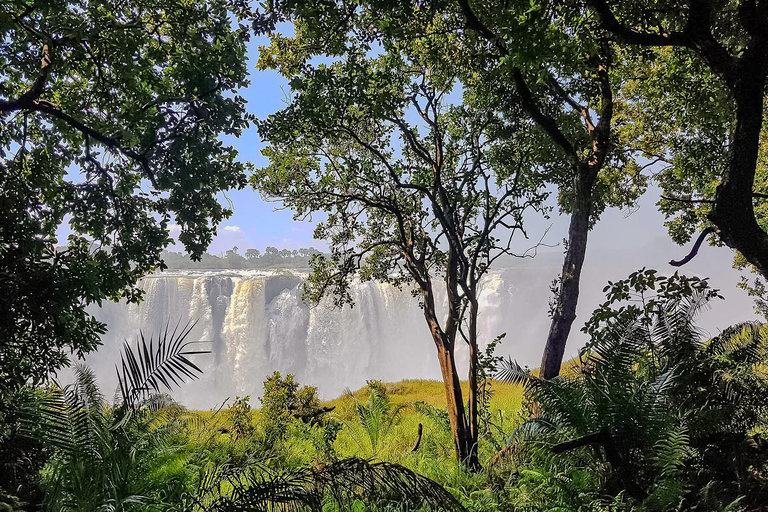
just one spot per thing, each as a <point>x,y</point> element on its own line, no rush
<point>283,401</point>
<point>653,417</point>
<point>240,417</point>
<point>22,456</point>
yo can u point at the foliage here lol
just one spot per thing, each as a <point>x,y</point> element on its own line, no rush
<point>21,456</point>
<point>283,401</point>
<point>240,417</point>
<point>715,56</point>
<point>157,363</point>
<point>377,415</point>
<point>112,114</point>
<point>419,181</point>
<point>346,482</point>
<point>654,418</point>
<point>103,455</point>
<point>640,296</point>
<point>488,366</point>
<point>176,472</point>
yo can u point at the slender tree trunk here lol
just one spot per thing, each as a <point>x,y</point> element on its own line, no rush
<point>462,436</point>
<point>733,212</point>
<point>568,293</point>
<point>473,461</point>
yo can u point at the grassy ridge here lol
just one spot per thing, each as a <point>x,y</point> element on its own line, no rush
<point>506,396</point>
<point>396,445</point>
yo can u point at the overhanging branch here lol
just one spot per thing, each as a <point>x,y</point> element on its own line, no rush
<point>695,249</point>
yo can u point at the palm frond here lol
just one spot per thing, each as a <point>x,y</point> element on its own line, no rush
<point>157,363</point>
<point>345,481</point>
<point>511,372</point>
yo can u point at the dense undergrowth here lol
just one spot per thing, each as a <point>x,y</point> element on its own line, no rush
<point>654,415</point>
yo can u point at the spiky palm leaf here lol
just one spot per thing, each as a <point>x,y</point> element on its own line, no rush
<point>99,451</point>
<point>377,415</point>
<point>508,370</point>
<point>157,363</point>
<point>345,481</point>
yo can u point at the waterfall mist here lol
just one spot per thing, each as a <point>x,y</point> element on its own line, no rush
<point>256,322</point>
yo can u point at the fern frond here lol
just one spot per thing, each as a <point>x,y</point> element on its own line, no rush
<point>510,371</point>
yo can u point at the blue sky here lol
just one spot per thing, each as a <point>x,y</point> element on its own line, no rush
<point>257,223</point>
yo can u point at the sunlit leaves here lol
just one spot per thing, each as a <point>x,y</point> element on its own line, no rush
<point>123,135</point>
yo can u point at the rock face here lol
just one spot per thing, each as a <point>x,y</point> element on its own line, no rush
<point>257,323</point>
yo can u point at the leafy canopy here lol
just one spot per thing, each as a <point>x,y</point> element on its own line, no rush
<point>375,141</point>
<point>112,118</point>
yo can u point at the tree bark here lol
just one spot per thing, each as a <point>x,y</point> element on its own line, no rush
<point>462,437</point>
<point>564,313</point>
<point>473,461</point>
<point>445,343</point>
<point>733,212</point>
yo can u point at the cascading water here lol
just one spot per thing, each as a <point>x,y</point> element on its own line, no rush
<point>256,322</point>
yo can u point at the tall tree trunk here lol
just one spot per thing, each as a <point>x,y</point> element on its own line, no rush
<point>473,461</point>
<point>462,436</point>
<point>733,212</point>
<point>568,294</point>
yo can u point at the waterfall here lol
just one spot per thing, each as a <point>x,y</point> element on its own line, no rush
<point>255,322</point>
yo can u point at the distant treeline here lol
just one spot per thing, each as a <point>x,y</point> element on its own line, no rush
<point>251,258</point>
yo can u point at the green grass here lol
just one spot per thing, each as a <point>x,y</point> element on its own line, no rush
<point>507,396</point>
<point>206,442</point>
<point>302,444</point>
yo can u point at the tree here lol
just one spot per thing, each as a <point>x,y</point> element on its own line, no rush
<point>566,87</point>
<point>543,60</point>
<point>414,214</point>
<point>234,260</point>
<point>569,76</point>
<point>252,254</point>
<point>727,41</point>
<point>112,114</point>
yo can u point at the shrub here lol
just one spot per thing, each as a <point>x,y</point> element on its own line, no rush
<point>240,417</point>
<point>285,400</point>
<point>653,417</point>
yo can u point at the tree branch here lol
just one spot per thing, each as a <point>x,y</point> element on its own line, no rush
<point>695,249</point>
<point>697,34</point>
<point>110,142</point>
<point>544,120</point>
<point>28,98</point>
<point>687,200</point>
<point>625,34</point>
